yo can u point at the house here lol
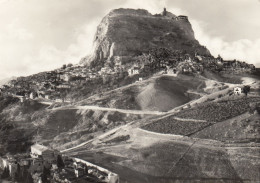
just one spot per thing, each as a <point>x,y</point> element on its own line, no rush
<point>133,71</point>
<point>3,163</point>
<point>54,166</point>
<point>24,162</point>
<point>171,70</point>
<point>22,99</point>
<point>63,86</point>
<point>41,95</point>
<point>117,61</point>
<point>32,95</point>
<point>182,17</point>
<point>38,150</point>
<point>79,172</point>
<point>113,177</point>
<point>58,100</point>
<point>237,90</point>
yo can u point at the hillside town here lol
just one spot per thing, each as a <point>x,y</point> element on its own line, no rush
<point>53,86</point>
<point>149,103</point>
<point>45,165</point>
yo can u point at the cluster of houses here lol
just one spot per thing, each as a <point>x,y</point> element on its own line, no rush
<point>43,159</point>
<point>197,64</point>
<point>51,85</point>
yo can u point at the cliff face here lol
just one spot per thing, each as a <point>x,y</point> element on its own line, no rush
<point>128,32</point>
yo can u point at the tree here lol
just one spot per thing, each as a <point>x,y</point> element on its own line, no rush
<point>246,89</point>
<point>18,173</point>
<point>45,174</point>
<point>24,173</point>
<point>86,169</point>
<point>60,162</point>
<point>29,178</point>
<point>6,173</point>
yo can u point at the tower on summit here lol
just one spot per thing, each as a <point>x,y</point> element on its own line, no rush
<point>164,12</point>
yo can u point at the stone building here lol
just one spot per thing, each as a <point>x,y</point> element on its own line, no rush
<point>38,151</point>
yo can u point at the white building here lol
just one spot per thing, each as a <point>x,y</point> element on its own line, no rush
<point>32,95</point>
<point>65,86</point>
<point>38,150</point>
<point>65,77</point>
<point>237,90</point>
<point>58,100</point>
<point>133,71</point>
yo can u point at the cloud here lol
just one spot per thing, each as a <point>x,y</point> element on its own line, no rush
<point>16,31</point>
<point>242,49</point>
<point>3,1</point>
<point>50,57</point>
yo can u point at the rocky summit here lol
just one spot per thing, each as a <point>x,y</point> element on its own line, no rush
<point>128,32</point>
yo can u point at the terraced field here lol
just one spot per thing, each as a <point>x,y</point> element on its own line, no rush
<point>219,111</point>
<point>170,125</point>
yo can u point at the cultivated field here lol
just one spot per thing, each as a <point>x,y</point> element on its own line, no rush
<point>170,125</point>
<point>219,111</point>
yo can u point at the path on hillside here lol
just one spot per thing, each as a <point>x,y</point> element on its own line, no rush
<point>190,120</point>
<point>126,111</point>
<point>121,88</point>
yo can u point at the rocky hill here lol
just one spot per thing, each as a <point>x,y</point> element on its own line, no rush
<point>127,33</point>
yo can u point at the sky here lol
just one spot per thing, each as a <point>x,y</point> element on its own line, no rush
<point>41,35</point>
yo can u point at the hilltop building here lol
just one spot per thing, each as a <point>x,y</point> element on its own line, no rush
<point>237,90</point>
<point>164,12</point>
<point>182,17</point>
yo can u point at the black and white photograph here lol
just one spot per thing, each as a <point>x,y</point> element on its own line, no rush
<point>129,91</point>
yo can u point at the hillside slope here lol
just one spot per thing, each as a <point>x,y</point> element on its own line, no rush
<point>159,93</point>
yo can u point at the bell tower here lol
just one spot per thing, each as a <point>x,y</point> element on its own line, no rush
<point>164,12</point>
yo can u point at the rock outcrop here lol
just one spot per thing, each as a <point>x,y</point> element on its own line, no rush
<point>127,33</point>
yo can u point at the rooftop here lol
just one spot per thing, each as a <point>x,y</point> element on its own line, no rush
<point>39,147</point>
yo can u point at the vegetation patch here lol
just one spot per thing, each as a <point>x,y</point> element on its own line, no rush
<point>219,111</point>
<point>119,139</point>
<point>170,125</point>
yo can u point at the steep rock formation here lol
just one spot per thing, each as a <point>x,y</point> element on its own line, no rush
<point>128,32</point>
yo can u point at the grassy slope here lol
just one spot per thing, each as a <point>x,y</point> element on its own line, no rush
<point>168,92</point>
<point>160,94</point>
<point>243,128</point>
